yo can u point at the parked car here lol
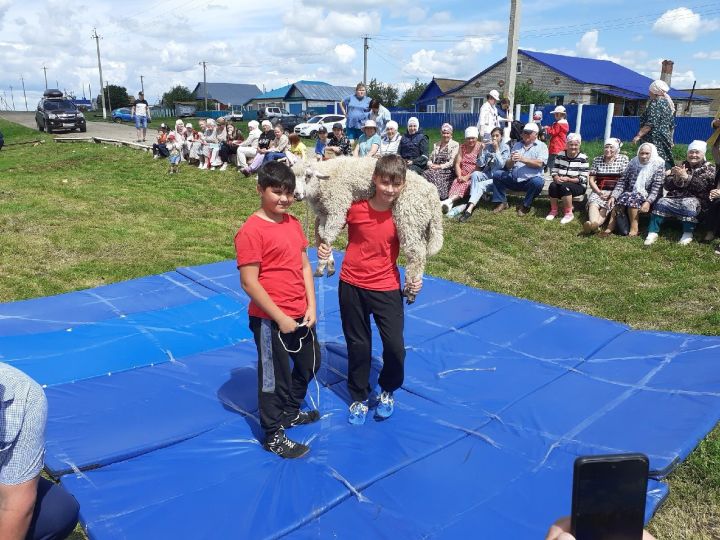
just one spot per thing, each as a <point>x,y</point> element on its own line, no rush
<point>310,128</point>
<point>237,116</point>
<point>124,114</point>
<point>55,112</point>
<point>279,115</point>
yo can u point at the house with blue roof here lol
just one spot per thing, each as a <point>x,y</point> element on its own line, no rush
<point>567,79</point>
<point>225,95</point>
<point>427,101</point>
<point>302,96</point>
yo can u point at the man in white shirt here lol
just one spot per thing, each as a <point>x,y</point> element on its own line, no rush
<point>488,116</point>
<point>141,113</point>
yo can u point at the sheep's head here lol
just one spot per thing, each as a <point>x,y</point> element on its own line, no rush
<point>310,183</point>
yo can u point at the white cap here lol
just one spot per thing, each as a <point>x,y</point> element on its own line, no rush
<point>266,123</point>
<point>188,125</point>
<point>558,109</point>
<point>471,131</point>
<point>698,145</point>
<point>253,124</point>
<point>531,126</point>
<point>494,94</point>
<point>369,124</point>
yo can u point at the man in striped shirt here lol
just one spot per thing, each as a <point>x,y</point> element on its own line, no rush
<point>569,178</point>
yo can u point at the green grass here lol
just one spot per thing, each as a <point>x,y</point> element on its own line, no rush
<point>81,215</point>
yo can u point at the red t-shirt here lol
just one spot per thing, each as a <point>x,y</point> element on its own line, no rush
<point>373,246</point>
<point>278,248</point>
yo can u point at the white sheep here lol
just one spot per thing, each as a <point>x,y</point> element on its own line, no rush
<point>330,187</point>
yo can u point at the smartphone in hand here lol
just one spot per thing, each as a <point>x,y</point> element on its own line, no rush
<point>608,499</point>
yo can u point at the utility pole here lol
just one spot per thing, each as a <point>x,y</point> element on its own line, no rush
<point>512,51</point>
<point>365,50</point>
<point>23,85</point>
<point>97,43</point>
<point>107,87</point>
<point>204,65</point>
<point>142,85</point>
<point>45,70</point>
<point>12,96</point>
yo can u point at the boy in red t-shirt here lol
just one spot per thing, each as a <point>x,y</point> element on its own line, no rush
<point>370,284</point>
<point>276,275</point>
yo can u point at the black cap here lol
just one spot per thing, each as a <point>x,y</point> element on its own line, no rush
<point>322,129</point>
<point>337,125</point>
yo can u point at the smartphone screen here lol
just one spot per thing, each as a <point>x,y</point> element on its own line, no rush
<point>609,495</point>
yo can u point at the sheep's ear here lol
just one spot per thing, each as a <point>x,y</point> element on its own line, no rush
<point>322,176</point>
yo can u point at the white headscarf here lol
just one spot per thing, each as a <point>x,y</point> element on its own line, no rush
<point>647,171</point>
<point>413,120</point>
<point>661,88</point>
<point>701,146</point>
<point>614,142</point>
<point>574,137</point>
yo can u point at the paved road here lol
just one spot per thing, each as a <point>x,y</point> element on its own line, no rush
<point>106,130</point>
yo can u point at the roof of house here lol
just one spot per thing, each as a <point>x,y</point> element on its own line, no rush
<point>448,84</point>
<point>314,90</point>
<point>624,81</point>
<point>237,94</point>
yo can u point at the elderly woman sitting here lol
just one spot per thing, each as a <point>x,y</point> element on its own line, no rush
<point>493,157</point>
<point>688,188</point>
<point>638,189</point>
<point>390,141</point>
<point>465,165</point>
<point>369,142</point>
<point>248,148</point>
<point>569,178</point>
<point>414,147</point>
<point>605,172</point>
<point>441,169</point>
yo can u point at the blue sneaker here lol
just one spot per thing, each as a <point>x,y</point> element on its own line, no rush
<point>357,413</point>
<point>385,406</point>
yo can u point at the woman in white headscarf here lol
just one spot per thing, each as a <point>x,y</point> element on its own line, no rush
<point>638,189</point>
<point>657,122</point>
<point>605,171</point>
<point>687,193</point>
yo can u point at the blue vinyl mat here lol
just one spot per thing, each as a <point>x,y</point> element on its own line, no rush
<point>152,390</point>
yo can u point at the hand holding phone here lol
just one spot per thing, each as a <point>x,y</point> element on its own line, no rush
<point>608,500</point>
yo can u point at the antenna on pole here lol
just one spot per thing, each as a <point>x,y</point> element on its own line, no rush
<point>365,50</point>
<point>102,93</point>
<point>23,85</point>
<point>45,70</point>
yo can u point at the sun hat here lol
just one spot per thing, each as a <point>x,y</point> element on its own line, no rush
<point>369,124</point>
<point>494,94</point>
<point>558,109</point>
<point>531,126</point>
<point>471,131</point>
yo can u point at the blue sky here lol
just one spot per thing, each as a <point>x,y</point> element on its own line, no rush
<point>271,44</point>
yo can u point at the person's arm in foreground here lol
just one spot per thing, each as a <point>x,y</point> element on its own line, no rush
<point>16,509</point>
<point>560,530</point>
<point>310,315</point>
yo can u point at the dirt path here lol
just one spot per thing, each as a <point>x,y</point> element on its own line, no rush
<point>106,130</point>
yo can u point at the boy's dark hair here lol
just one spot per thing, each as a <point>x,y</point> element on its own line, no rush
<point>375,103</point>
<point>391,166</point>
<point>276,175</point>
<point>504,101</point>
<point>499,130</point>
<point>293,138</point>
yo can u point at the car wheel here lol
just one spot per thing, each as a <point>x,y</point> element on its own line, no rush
<point>40,128</point>
<point>313,134</point>
<point>83,129</point>
<point>116,120</point>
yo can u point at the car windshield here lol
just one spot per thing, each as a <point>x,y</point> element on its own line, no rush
<point>59,105</point>
<point>314,120</point>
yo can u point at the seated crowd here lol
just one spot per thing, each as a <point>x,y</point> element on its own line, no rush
<point>488,162</point>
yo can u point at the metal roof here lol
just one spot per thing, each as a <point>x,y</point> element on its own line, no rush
<point>237,94</point>
<point>312,90</point>
<point>619,93</point>
<point>601,72</point>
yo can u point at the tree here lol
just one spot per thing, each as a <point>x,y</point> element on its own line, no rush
<point>176,93</point>
<point>410,96</point>
<point>386,93</point>
<point>118,97</point>
<point>526,94</point>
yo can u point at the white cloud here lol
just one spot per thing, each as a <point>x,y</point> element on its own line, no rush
<point>416,14</point>
<point>344,24</point>
<point>684,24</point>
<point>459,60</point>
<point>588,45</point>
<point>345,53</point>
<point>712,55</point>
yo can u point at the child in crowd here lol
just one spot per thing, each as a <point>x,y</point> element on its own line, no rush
<point>296,150</point>
<point>370,285</point>
<point>158,148</point>
<point>276,275</point>
<point>174,148</point>
<point>558,131</point>
<point>321,143</point>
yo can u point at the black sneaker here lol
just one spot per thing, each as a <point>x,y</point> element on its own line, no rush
<point>464,216</point>
<point>279,444</point>
<point>300,419</point>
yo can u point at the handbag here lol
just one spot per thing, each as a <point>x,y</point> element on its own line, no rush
<point>622,223</point>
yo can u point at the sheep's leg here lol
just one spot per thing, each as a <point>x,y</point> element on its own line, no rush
<point>319,229</point>
<point>415,267</point>
<point>330,265</point>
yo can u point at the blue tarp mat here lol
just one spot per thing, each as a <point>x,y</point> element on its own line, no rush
<point>157,403</point>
